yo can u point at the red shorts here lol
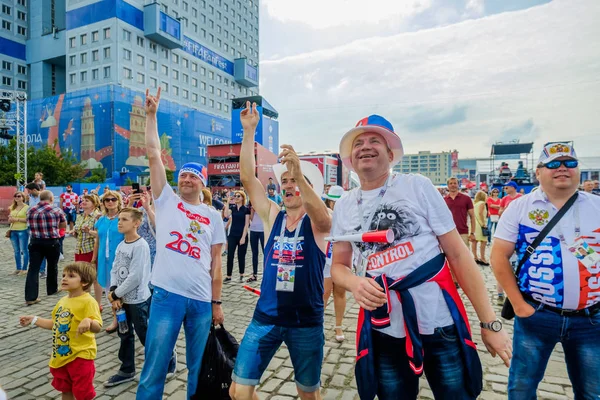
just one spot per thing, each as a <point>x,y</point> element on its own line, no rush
<point>86,257</point>
<point>76,377</point>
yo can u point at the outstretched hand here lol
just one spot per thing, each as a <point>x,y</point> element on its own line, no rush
<point>249,117</point>
<point>152,102</point>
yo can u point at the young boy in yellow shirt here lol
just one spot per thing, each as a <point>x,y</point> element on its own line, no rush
<point>75,320</point>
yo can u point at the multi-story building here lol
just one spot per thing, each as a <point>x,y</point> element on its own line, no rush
<point>435,166</point>
<point>103,53</point>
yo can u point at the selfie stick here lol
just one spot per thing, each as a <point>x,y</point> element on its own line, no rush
<point>251,289</point>
<point>368,237</point>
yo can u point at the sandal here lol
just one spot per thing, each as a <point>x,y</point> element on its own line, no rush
<point>339,338</point>
<point>251,279</point>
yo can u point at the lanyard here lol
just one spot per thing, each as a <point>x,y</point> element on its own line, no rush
<point>296,234</point>
<point>366,224</point>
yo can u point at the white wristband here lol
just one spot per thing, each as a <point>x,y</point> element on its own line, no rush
<point>34,320</point>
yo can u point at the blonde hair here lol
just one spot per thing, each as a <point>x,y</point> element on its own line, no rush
<point>207,196</point>
<point>93,198</point>
<point>112,193</point>
<point>14,203</point>
<point>481,196</point>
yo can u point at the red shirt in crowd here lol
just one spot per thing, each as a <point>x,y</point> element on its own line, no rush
<point>506,200</point>
<point>459,207</point>
<point>493,202</point>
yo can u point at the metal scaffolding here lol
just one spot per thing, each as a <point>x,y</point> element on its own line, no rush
<point>16,120</point>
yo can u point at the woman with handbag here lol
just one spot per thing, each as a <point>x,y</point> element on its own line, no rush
<point>481,230</point>
<point>19,233</point>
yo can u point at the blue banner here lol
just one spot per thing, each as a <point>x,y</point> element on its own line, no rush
<point>197,50</point>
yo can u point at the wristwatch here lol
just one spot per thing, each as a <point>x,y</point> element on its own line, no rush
<point>494,326</point>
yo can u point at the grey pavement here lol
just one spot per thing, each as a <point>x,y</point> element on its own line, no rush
<point>24,352</point>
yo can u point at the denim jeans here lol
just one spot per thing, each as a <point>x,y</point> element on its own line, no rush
<point>491,229</point>
<point>167,312</point>
<point>534,339</point>
<point>255,238</point>
<point>137,318</point>
<point>38,250</point>
<point>20,243</point>
<point>442,361</point>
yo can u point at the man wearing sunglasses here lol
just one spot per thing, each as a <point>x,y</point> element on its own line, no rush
<point>556,295</point>
<point>511,189</point>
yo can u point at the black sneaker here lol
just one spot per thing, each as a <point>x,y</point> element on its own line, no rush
<point>226,280</point>
<point>172,366</point>
<point>118,379</point>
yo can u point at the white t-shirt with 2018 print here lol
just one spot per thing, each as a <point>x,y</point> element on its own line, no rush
<point>417,214</point>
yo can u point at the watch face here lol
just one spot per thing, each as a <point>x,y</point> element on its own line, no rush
<point>496,326</point>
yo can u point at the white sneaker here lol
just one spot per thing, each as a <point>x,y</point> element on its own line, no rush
<point>61,257</point>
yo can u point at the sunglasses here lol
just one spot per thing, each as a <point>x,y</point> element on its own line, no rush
<point>557,163</point>
<point>112,199</point>
<point>17,195</point>
<point>237,195</point>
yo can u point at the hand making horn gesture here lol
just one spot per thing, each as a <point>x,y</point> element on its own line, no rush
<point>290,159</point>
<point>249,117</point>
<point>152,102</point>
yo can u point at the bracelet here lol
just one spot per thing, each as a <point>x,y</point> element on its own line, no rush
<point>34,320</point>
<point>217,302</point>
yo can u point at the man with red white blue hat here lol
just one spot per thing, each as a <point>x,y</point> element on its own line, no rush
<point>186,275</point>
<point>412,319</point>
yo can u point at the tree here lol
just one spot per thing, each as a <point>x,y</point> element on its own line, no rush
<point>171,177</point>
<point>58,169</point>
<point>98,175</point>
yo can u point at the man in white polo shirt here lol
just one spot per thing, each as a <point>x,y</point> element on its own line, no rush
<point>186,276</point>
<point>556,295</point>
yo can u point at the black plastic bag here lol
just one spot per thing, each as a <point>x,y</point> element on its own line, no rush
<point>217,365</point>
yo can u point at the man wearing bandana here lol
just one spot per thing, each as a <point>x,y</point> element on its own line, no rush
<point>187,269</point>
<point>290,308</point>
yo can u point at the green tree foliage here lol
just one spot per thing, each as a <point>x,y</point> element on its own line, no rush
<point>171,177</point>
<point>58,169</point>
<point>98,175</point>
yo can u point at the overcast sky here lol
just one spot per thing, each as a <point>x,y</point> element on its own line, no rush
<point>448,74</point>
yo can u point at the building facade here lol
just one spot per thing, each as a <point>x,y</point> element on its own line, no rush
<point>435,166</point>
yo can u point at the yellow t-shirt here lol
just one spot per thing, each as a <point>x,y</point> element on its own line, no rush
<point>67,344</point>
<point>22,213</point>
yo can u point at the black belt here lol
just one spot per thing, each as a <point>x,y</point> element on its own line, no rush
<point>566,313</point>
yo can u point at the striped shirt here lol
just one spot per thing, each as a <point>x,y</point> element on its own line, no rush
<point>43,220</point>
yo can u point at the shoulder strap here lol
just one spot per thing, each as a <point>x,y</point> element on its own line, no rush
<point>531,248</point>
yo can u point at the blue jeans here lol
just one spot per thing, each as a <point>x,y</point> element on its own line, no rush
<point>262,341</point>
<point>534,339</point>
<point>491,229</point>
<point>20,242</point>
<point>442,363</point>
<point>167,312</point>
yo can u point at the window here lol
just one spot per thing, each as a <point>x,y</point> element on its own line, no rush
<point>211,89</point>
<point>6,81</point>
<point>7,66</point>
<point>195,27</point>
<point>153,65</point>
<point>95,36</point>
<point>106,33</point>
<point>203,85</point>
<point>22,85</point>
<point>140,41</point>
<point>194,12</point>
<point>95,74</point>
<point>164,69</point>
<point>21,30</point>
<point>106,72</point>
<point>126,35</point>
<point>165,86</point>
<point>203,100</point>
<point>164,52</point>
<point>83,39</point>
<point>184,94</point>
<point>219,92</point>
<point>22,69</point>
<point>194,82</point>
<point>195,97</point>
<point>153,47</point>
<point>175,90</point>
<point>83,76</point>
<point>83,58</point>
<point>202,71</point>
<point>211,103</point>
<point>218,105</point>
<point>140,60</point>
<point>175,74</point>
<point>5,9</point>
<point>95,55</point>
<point>211,75</point>
<point>21,2</point>
<point>185,6</point>
<point>153,82</point>
<point>127,54</point>
<point>72,43</point>
<point>127,73</point>
<point>175,59</point>
<point>140,78</point>
<point>185,78</point>
<point>194,67</point>
<point>21,15</point>
<point>6,25</point>
<point>72,79</point>
<point>225,108</point>
<point>185,63</point>
<point>226,95</point>
<point>107,52</point>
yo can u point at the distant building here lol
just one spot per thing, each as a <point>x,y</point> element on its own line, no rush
<point>435,166</point>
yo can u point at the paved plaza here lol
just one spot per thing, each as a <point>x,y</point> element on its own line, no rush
<point>24,352</point>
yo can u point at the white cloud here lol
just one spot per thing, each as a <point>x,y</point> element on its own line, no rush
<point>321,14</point>
<point>537,67</point>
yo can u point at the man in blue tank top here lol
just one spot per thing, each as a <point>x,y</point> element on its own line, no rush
<point>290,308</point>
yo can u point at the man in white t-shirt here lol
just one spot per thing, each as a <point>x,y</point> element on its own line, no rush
<point>186,275</point>
<point>411,319</point>
<point>556,295</point>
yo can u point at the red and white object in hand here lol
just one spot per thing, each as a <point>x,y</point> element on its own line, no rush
<point>367,237</point>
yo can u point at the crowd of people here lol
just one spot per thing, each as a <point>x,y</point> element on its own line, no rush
<point>155,257</point>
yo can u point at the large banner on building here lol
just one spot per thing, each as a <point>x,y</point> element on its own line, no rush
<point>105,127</point>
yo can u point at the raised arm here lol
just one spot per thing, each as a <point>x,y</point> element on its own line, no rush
<point>263,206</point>
<point>158,176</point>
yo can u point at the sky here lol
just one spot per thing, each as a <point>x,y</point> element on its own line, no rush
<point>448,74</point>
